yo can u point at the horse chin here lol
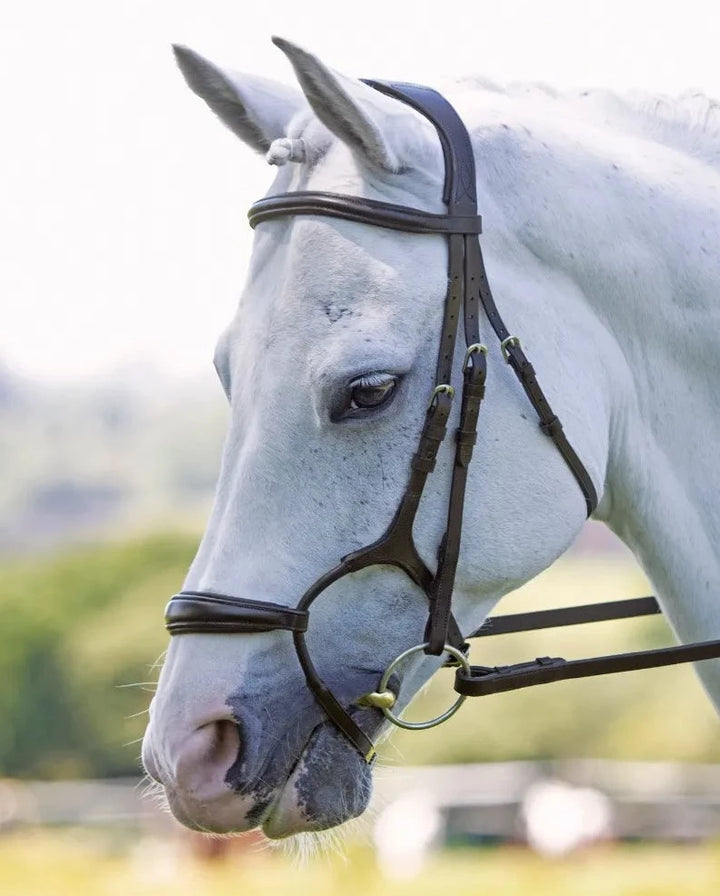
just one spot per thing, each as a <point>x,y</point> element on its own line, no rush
<point>231,814</point>
<point>330,784</point>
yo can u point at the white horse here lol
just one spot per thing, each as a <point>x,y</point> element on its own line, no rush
<point>602,225</point>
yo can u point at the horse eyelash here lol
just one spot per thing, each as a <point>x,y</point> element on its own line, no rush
<point>373,380</point>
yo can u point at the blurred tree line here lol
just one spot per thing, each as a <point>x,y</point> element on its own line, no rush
<point>82,636</point>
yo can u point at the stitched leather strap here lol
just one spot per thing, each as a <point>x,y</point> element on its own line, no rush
<point>441,591</point>
<point>484,680</point>
<point>459,191</point>
<point>362,211</point>
<point>454,298</point>
<point>334,710</point>
<point>204,612</point>
<point>580,615</point>
<point>549,422</point>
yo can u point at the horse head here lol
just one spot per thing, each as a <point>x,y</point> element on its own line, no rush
<point>328,367</point>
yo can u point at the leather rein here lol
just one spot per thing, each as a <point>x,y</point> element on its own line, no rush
<point>468,293</point>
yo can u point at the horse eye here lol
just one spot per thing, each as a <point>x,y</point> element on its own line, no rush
<point>367,394</point>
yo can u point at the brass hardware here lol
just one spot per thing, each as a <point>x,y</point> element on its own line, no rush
<point>473,350</point>
<point>419,726</point>
<point>378,699</point>
<point>511,340</point>
<point>439,390</point>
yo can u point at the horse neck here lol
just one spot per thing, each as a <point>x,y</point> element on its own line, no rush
<point>665,318</point>
<point>634,225</point>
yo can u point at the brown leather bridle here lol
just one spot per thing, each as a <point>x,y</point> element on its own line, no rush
<point>468,293</point>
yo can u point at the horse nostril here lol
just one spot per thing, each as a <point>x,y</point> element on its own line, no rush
<point>224,745</point>
<point>203,758</point>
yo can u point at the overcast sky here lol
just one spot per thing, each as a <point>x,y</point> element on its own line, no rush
<point>122,199</point>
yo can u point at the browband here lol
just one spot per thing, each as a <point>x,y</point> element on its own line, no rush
<point>362,211</point>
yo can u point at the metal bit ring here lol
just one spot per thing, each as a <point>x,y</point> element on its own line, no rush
<point>431,723</point>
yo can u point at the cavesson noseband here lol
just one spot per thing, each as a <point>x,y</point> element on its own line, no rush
<point>468,292</point>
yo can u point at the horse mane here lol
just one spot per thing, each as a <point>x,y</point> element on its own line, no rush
<point>689,122</point>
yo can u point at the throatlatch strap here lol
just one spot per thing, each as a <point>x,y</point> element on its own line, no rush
<point>549,422</point>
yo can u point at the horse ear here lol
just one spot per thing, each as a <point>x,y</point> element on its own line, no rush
<point>255,109</point>
<point>350,109</point>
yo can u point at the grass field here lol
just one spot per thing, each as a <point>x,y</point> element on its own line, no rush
<point>86,864</point>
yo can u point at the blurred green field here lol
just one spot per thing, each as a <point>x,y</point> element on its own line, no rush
<point>76,863</point>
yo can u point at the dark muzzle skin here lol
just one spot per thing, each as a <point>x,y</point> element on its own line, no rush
<point>468,293</point>
<point>331,781</point>
<point>264,755</point>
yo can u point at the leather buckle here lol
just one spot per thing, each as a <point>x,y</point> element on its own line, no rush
<point>473,349</point>
<point>510,342</point>
<point>442,389</point>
